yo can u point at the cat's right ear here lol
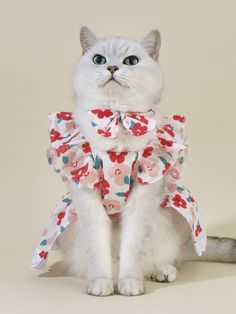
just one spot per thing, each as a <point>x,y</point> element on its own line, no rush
<point>152,43</point>
<point>87,39</point>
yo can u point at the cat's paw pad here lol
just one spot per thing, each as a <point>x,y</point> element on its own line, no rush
<point>130,287</point>
<point>101,287</point>
<point>164,273</point>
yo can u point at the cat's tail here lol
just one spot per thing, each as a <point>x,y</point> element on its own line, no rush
<point>217,250</point>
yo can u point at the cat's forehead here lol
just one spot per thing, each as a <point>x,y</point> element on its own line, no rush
<point>117,46</point>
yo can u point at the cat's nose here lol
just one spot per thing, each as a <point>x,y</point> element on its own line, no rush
<point>112,68</point>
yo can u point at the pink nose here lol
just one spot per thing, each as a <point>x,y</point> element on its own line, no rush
<point>112,68</point>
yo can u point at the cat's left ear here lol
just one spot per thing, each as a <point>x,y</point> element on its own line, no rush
<point>152,43</point>
<point>87,38</point>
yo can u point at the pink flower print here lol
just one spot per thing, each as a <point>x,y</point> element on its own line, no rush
<point>172,188</point>
<point>174,173</point>
<point>151,168</point>
<point>119,172</point>
<point>90,177</point>
<point>72,215</point>
<point>69,126</point>
<point>111,205</point>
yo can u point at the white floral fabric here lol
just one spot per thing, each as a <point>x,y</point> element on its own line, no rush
<point>115,173</point>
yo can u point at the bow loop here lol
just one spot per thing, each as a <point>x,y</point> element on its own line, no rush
<point>106,122</point>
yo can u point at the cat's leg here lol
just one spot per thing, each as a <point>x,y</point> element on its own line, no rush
<point>169,237</point>
<point>95,228</point>
<point>137,221</point>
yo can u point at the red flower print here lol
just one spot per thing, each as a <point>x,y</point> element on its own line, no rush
<point>106,133</point>
<point>127,193</point>
<point>54,135</point>
<point>167,165</point>
<point>138,129</point>
<point>139,118</point>
<point>164,202</point>
<point>198,230</point>
<point>64,115</point>
<point>179,118</point>
<point>43,254</point>
<point>60,216</point>
<point>147,152</point>
<point>104,185</point>
<point>77,174</point>
<point>169,129</point>
<point>86,147</point>
<point>191,198</point>
<point>96,185</point>
<point>165,142</point>
<point>178,201</point>
<point>62,149</point>
<point>140,180</point>
<point>117,157</point>
<point>102,113</point>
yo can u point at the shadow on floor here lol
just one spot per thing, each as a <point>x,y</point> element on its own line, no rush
<point>189,272</point>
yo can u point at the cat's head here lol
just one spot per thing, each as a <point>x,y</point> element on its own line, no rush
<point>119,72</point>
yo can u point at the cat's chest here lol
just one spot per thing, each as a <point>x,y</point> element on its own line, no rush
<point>123,142</point>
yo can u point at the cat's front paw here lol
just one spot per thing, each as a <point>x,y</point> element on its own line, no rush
<point>101,287</point>
<point>130,287</point>
<point>164,273</point>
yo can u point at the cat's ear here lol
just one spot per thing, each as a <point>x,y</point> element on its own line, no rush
<point>87,38</point>
<point>152,43</point>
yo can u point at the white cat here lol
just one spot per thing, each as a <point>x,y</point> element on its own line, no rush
<point>150,241</point>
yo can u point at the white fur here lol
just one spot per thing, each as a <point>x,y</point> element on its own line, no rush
<point>150,241</point>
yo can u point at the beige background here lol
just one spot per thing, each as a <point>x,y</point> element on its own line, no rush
<point>39,47</point>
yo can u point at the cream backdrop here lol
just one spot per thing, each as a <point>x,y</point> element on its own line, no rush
<point>39,43</point>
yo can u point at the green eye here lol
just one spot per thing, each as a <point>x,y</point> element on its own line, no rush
<point>131,60</point>
<point>99,59</point>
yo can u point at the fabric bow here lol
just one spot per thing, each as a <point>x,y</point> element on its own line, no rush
<point>106,122</point>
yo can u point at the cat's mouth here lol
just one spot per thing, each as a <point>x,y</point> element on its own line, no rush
<point>112,79</point>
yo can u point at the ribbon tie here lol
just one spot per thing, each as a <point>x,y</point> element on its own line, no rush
<point>106,122</point>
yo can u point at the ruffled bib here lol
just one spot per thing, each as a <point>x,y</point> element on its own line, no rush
<point>115,173</point>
